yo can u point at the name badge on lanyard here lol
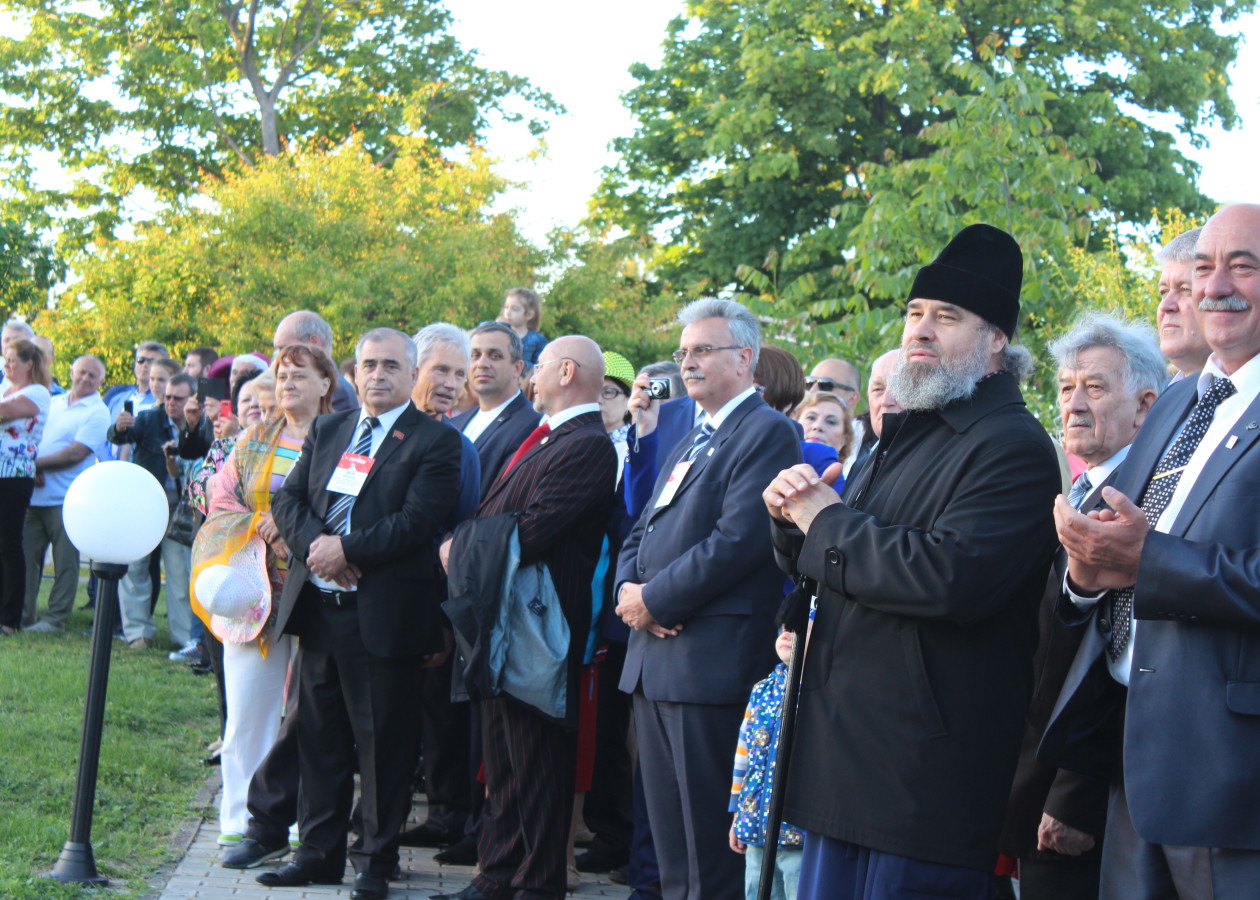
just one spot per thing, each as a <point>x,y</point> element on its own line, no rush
<point>352,470</point>
<point>671,486</point>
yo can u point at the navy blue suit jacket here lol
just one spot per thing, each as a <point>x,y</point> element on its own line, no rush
<point>1192,716</point>
<point>707,563</point>
<point>501,438</point>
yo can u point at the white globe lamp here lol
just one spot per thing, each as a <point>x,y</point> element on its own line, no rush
<point>115,512</point>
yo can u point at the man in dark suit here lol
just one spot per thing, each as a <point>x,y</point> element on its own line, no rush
<point>696,583</point>
<point>503,417</point>
<point>497,427</point>
<point>1110,373</point>
<point>360,512</point>
<point>1169,588</point>
<point>561,482</point>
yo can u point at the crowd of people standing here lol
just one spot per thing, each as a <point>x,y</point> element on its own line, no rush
<point>562,591</point>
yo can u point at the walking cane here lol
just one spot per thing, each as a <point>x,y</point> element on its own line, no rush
<point>796,618</point>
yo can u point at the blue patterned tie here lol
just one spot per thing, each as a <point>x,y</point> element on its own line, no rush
<point>701,439</point>
<point>338,517</point>
<point>1080,490</point>
<point>1159,490</point>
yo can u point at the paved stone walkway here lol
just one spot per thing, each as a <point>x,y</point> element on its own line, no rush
<point>198,875</point>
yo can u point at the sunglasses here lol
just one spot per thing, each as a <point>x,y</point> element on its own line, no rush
<point>826,384</point>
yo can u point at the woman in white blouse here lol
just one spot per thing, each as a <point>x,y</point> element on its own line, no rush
<point>23,412</point>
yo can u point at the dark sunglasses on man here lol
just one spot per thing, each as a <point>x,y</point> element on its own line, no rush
<point>826,384</point>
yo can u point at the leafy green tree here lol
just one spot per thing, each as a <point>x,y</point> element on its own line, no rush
<point>29,268</point>
<point>842,141</point>
<point>605,292</point>
<point>362,244</point>
<point>146,94</point>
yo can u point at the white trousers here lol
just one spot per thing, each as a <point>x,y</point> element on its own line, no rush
<point>133,592</point>
<point>254,687</point>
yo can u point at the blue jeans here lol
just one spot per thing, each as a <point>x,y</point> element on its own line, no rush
<point>787,871</point>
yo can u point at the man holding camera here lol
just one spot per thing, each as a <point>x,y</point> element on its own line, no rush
<point>154,433</point>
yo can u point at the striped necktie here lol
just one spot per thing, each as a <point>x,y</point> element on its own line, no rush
<point>1159,491</point>
<point>1080,490</point>
<point>701,439</point>
<point>338,517</point>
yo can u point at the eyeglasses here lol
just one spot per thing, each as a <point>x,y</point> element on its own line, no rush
<point>145,360</point>
<point>538,365</point>
<point>611,393</point>
<point>826,384</point>
<point>698,352</point>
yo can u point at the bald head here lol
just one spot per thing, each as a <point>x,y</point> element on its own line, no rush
<point>86,375</point>
<point>303,327</point>
<point>569,372</point>
<point>878,396</point>
<point>846,383</point>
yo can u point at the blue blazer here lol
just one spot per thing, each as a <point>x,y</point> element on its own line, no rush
<point>1191,731</point>
<point>646,456</point>
<point>707,564</point>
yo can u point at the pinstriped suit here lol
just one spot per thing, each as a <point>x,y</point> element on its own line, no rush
<point>564,488</point>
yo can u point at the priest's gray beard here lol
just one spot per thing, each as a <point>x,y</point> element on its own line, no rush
<point>927,386</point>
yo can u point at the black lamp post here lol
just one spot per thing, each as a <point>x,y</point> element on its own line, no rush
<point>115,513</point>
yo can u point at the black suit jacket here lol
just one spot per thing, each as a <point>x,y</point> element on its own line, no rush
<point>408,494</point>
<point>1192,711</point>
<point>501,438</point>
<point>705,561</point>
<point>1073,798</point>
<point>564,489</point>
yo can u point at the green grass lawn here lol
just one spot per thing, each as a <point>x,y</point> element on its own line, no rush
<point>158,719</point>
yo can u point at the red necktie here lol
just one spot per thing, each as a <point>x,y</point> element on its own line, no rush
<point>530,443</point>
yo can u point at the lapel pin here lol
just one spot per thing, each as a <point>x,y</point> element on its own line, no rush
<point>1233,439</point>
<point>711,451</point>
<point>544,440</point>
<point>399,435</point>
<point>1252,426</point>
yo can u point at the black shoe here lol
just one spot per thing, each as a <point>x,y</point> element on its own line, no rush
<point>250,853</point>
<point>620,875</point>
<point>601,858</point>
<point>468,893</point>
<point>461,853</point>
<point>369,887</point>
<point>297,874</point>
<point>426,834</point>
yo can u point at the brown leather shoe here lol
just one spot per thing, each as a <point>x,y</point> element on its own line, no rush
<point>141,644</point>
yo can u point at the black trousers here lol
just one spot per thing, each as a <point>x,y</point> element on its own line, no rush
<point>609,806</point>
<point>352,704</point>
<point>15,497</point>
<point>444,739</point>
<point>530,769</point>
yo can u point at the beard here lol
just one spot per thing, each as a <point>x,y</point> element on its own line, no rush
<point>935,385</point>
<point>1232,303</point>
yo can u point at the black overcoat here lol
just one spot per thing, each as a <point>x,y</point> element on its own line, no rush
<point>919,666</point>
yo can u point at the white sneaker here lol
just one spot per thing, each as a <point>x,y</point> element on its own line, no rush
<point>183,653</point>
<point>229,840</point>
<point>42,627</point>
